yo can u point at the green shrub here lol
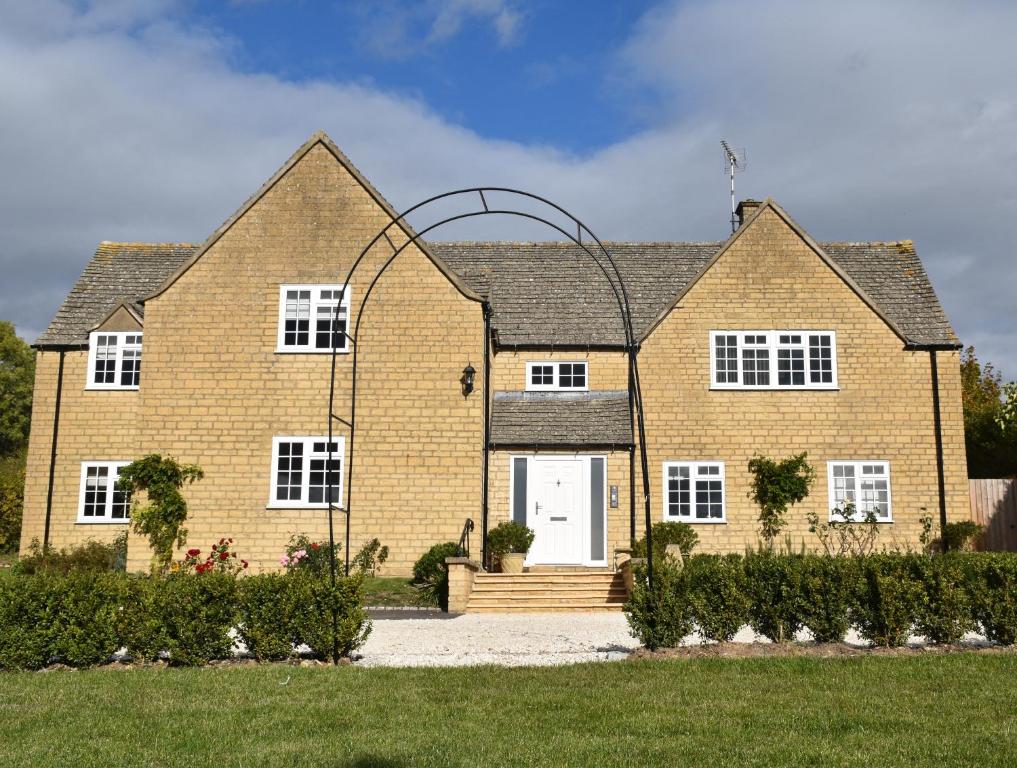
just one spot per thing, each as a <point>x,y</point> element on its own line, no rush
<point>774,587</point>
<point>827,592</point>
<point>430,574</point>
<point>663,619</point>
<point>668,532</point>
<point>89,556</point>
<point>776,485</point>
<point>992,587</point>
<point>944,612</point>
<point>371,557</point>
<point>330,619</point>
<point>25,630</point>
<point>12,497</point>
<point>717,590</point>
<point>509,537</point>
<point>960,536</point>
<point>267,606</point>
<point>306,556</point>
<point>189,617</point>
<point>48,617</point>
<point>887,599</point>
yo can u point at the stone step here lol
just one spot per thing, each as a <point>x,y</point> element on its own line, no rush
<point>558,588</point>
<point>549,608</point>
<point>584,596</point>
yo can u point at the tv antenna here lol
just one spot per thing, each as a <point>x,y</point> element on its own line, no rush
<point>734,162</point>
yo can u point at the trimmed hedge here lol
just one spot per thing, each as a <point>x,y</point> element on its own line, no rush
<point>83,619</point>
<point>885,597</point>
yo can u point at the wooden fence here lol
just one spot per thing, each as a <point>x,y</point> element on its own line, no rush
<point>994,505</point>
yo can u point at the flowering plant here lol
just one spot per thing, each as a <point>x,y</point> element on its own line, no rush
<point>305,555</point>
<point>221,559</point>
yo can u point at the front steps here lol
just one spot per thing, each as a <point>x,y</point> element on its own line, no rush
<point>546,590</point>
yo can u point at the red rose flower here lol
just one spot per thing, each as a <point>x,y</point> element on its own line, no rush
<point>193,552</point>
<point>315,545</point>
<point>223,555</point>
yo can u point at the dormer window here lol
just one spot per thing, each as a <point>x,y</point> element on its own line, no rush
<point>114,360</point>
<point>551,376</point>
<point>308,321</point>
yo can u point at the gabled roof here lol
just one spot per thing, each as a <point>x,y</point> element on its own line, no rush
<point>134,309</point>
<point>561,419</point>
<point>118,273</point>
<point>319,137</point>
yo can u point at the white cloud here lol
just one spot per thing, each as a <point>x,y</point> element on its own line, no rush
<point>450,15</point>
<point>866,122</point>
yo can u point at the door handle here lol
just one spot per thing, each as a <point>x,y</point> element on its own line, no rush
<point>536,507</point>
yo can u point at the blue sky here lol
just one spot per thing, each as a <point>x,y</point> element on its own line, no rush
<point>546,79</point>
<point>153,120</point>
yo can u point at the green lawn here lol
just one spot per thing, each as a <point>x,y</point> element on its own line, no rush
<point>391,591</point>
<point>931,710</point>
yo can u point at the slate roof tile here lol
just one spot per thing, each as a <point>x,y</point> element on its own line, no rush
<point>561,419</point>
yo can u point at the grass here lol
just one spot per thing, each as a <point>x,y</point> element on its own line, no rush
<point>958,709</point>
<point>392,591</point>
<point>8,559</point>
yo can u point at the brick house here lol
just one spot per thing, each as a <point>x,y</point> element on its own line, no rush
<point>216,354</point>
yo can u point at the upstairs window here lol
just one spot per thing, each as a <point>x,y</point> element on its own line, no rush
<point>863,485</point>
<point>101,499</point>
<point>308,321</point>
<point>553,376</point>
<point>773,360</point>
<point>302,472</point>
<point>114,360</point>
<point>694,491</point>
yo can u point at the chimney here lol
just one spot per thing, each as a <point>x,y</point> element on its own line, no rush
<point>745,210</point>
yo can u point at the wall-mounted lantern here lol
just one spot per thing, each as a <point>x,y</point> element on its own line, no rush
<point>467,380</point>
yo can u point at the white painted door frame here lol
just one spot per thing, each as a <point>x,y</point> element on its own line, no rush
<point>583,532</point>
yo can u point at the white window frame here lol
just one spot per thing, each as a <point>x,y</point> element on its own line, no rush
<point>315,302</point>
<point>859,512</point>
<point>308,454</point>
<point>93,347</point>
<point>693,467</point>
<point>113,468</point>
<point>773,344</point>
<point>555,386</point>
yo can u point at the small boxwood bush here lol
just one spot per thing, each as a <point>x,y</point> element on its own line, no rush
<point>665,533</point>
<point>509,537</point>
<point>268,605</point>
<point>827,593</point>
<point>944,612</point>
<point>887,599</point>
<point>430,574</point>
<point>661,619</point>
<point>314,621</point>
<point>774,588</point>
<point>718,595</point>
<point>992,588</point>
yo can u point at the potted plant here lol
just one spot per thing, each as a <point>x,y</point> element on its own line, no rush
<point>509,542</point>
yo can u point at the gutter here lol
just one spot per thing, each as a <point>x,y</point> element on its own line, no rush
<point>53,451</point>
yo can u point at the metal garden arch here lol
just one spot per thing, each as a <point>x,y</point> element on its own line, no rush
<point>583,237</point>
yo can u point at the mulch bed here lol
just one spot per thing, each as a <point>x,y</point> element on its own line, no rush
<point>815,650</point>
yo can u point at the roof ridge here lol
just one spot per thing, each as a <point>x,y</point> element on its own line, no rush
<point>572,244</point>
<point>140,244</point>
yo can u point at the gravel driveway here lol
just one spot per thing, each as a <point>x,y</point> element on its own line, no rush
<point>437,640</point>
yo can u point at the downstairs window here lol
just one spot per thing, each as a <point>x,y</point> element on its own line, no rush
<point>302,472</point>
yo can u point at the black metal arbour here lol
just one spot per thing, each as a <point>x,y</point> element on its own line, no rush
<point>608,267</point>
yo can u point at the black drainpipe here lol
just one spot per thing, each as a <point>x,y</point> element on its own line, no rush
<point>632,466</point>
<point>53,452</point>
<point>487,430</point>
<point>938,422</point>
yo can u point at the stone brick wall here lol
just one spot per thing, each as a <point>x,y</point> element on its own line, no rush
<point>771,279</point>
<point>606,370</point>
<point>94,425</point>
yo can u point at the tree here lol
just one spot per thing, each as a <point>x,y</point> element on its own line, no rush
<point>776,485</point>
<point>17,377</point>
<point>162,518</point>
<point>990,429</point>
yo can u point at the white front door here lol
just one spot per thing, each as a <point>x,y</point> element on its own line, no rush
<point>556,510</point>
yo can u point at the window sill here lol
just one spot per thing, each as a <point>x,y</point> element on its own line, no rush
<point>124,521</point>
<point>826,388</point>
<point>300,507</point>
<point>96,388</point>
<point>280,351</point>
<point>669,519</point>
<point>879,521</point>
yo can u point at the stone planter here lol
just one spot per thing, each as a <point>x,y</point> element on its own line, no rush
<point>512,562</point>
